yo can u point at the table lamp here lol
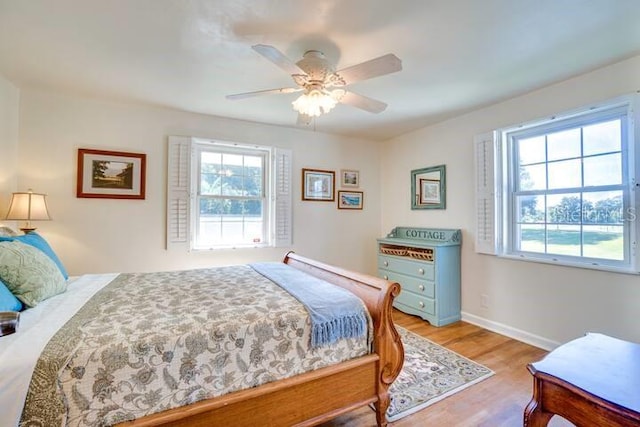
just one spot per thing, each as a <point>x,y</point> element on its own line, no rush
<point>28,207</point>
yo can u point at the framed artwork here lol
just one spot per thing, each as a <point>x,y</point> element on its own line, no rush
<point>349,178</point>
<point>428,188</point>
<point>350,199</point>
<point>318,185</point>
<point>429,191</point>
<point>111,174</point>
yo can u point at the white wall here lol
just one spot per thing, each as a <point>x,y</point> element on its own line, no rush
<point>9,108</point>
<point>539,303</point>
<point>103,235</point>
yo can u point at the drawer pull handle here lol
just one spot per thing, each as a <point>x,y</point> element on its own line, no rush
<point>421,287</point>
<point>421,304</point>
<point>386,263</point>
<point>386,277</point>
<point>421,271</point>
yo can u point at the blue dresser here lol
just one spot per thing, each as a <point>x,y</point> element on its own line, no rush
<point>426,263</point>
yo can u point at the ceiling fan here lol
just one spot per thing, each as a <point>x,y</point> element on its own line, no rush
<point>322,86</point>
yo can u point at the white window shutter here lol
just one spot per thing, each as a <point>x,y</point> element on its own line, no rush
<point>485,193</point>
<point>178,185</point>
<point>283,227</point>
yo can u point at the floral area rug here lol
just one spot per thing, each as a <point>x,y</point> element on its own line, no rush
<point>429,374</point>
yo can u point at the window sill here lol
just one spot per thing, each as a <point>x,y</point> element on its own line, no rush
<point>565,263</point>
<point>216,248</point>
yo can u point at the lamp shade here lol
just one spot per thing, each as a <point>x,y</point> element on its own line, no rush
<point>315,102</point>
<point>28,207</point>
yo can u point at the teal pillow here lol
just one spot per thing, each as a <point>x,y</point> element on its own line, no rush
<point>29,274</point>
<point>37,241</point>
<point>8,301</point>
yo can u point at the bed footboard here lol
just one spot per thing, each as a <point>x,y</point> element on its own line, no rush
<point>378,295</point>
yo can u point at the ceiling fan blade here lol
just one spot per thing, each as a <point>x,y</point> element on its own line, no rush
<point>363,102</point>
<point>303,120</point>
<point>278,58</point>
<point>386,64</point>
<point>263,92</point>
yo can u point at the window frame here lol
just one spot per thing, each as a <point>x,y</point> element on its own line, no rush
<point>200,146</point>
<point>182,187</point>
<point>507,178</point>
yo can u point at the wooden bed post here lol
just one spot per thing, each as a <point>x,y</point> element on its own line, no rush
<point>378,296</point>
<point>391,351</point>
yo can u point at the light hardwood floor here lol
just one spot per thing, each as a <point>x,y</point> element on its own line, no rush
<point>498,401</point>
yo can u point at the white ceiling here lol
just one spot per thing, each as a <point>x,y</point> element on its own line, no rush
<point>457,55</point>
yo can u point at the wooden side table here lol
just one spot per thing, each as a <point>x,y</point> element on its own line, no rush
<point>9,322</point>
<point>591,381</point>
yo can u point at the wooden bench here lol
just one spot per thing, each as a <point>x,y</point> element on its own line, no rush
<point>591,381</point>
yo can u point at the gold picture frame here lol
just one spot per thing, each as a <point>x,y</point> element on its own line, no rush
<point>111,174</point>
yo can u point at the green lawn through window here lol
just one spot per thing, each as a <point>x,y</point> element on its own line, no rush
<point>597,244</point>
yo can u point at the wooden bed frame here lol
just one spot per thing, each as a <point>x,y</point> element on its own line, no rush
<point>317,396</point>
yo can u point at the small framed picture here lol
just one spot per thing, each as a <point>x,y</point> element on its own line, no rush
<point>318,185</point>
<point>349,178</point>
<point>429,191</point>
<point>350,199</point>
<point>111,174</point>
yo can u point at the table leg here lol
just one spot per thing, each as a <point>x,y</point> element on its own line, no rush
<point>534,415</point>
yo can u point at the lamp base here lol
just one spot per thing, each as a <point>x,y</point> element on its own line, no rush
<point>27,230</point>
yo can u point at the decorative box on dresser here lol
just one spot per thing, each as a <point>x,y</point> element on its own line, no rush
<point>426,263</point>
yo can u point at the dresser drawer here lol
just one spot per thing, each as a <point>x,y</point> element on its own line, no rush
<point>417,302</point>
<point>418,286</point>
<point>407,267</point>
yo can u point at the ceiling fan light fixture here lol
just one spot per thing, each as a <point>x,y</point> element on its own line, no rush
<point>315,103</point>
<point>323,86</point>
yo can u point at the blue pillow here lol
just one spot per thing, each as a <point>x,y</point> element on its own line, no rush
<point>37,241</point>
<point>8,301</point>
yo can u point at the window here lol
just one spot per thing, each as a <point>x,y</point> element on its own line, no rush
<point>231,200</point>
<point>224,195</point>
<point>563,190</point>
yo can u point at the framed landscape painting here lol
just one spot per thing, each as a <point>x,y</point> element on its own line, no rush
<point>111,174</point>
<point>350,178</point>
<point>350,199</point>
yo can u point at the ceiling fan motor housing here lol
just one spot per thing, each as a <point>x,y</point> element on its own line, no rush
<point>315,64</point>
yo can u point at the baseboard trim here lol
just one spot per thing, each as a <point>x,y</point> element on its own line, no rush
<point>510,332</point>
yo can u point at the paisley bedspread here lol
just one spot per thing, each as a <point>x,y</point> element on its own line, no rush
<point>153,341</point>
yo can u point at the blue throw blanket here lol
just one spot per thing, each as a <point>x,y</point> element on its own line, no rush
<point>335,312</point>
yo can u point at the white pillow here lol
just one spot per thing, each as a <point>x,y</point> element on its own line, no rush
<point>7,232</point>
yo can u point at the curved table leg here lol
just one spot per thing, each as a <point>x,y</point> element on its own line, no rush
<point>535,416</point>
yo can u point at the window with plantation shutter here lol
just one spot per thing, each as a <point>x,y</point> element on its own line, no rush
<point>222,195</point>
